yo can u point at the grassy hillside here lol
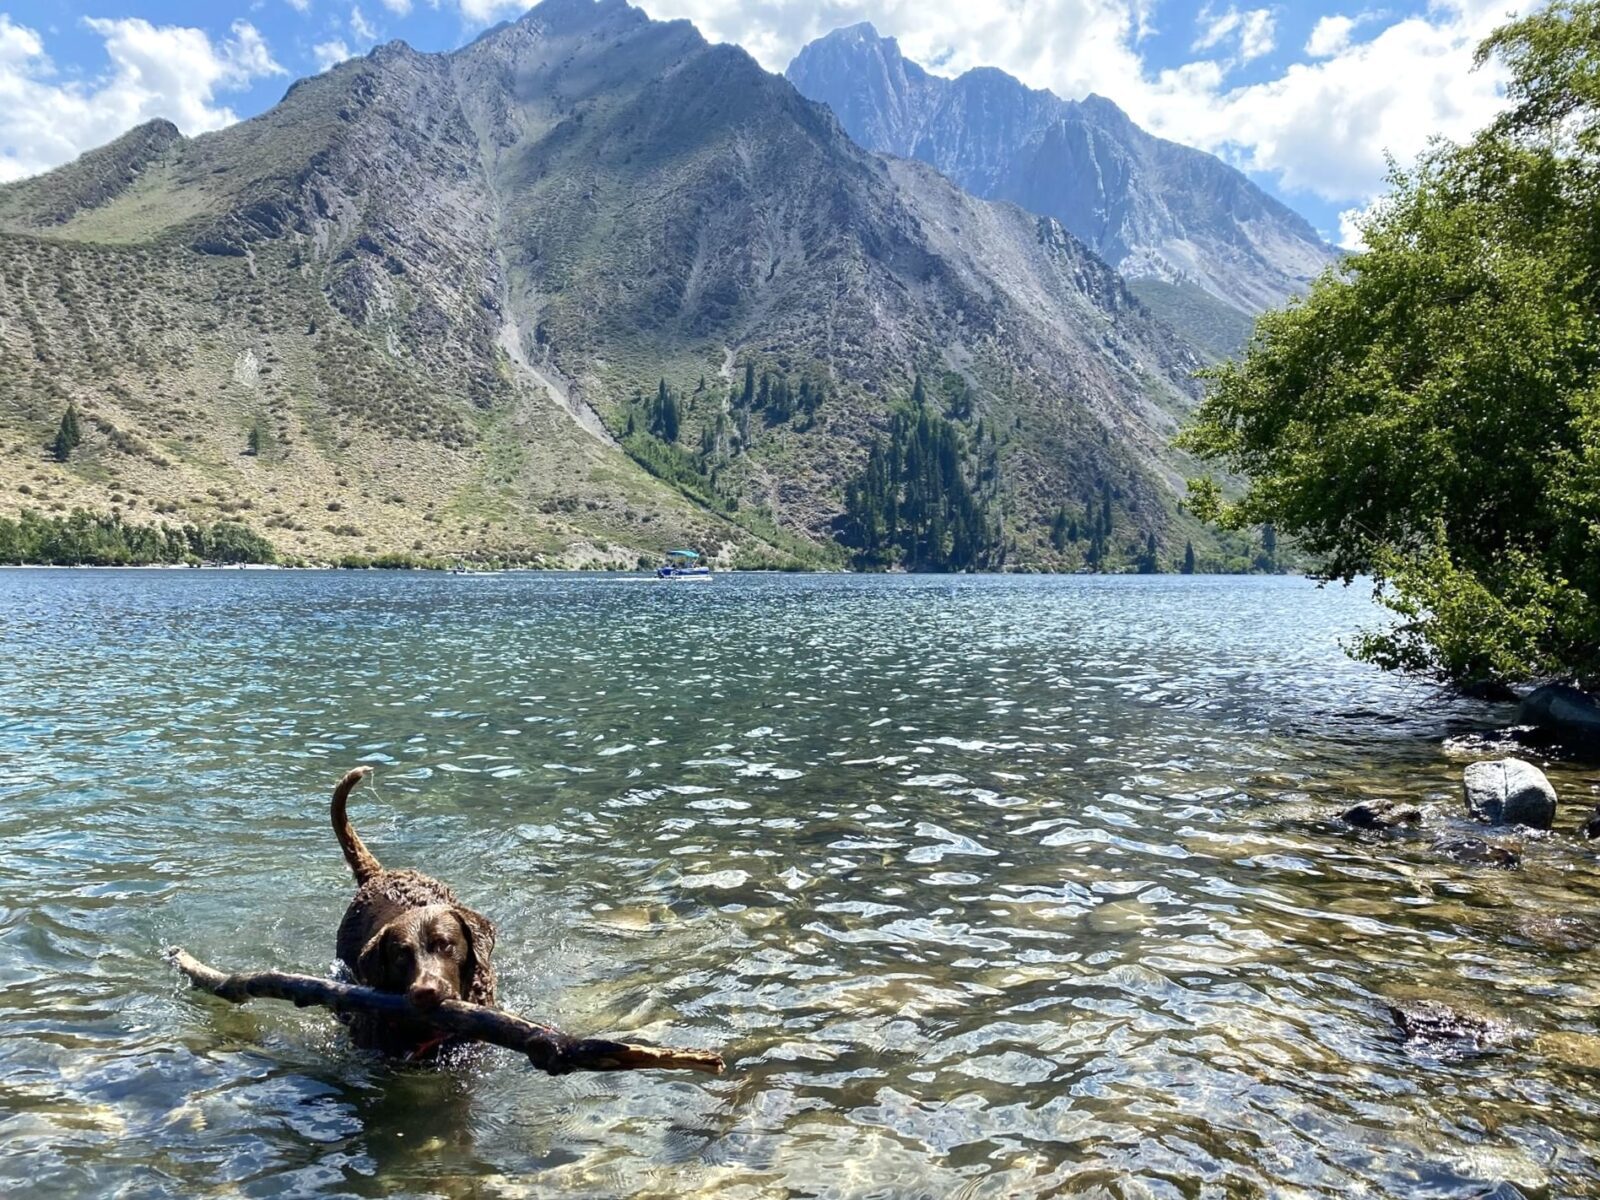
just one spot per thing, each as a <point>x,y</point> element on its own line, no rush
<point>421,306</point>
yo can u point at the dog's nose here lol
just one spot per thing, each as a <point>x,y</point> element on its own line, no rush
<point>425,994</point>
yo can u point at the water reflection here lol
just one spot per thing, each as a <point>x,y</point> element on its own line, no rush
<point>988,888</point>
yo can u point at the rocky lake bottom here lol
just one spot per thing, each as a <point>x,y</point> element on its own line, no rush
<point>984,886</point>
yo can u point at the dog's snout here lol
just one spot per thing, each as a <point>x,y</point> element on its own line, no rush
<point>426,993</point>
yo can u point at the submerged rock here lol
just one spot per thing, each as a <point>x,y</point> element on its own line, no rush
<point>1509,791</point>
<point>1571,714</point>
<point>1579,1051</point>
<point>1381,814</point>
<point>1591,825</point>
<point>1440,1025</point>
<point>1566,933</point>
<point>1475,852</point>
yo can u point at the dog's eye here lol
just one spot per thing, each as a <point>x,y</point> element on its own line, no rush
<point>442,947</point>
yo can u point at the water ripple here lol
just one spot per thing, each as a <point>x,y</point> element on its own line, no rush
<point>988,887</point>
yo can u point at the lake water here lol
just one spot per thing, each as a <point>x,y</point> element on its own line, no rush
<point>985,887</point>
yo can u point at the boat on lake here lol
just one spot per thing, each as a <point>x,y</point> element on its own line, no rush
<point>683,564</point>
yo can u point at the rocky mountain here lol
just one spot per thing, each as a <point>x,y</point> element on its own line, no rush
<point>445,302</point>
<point>1186,229</point>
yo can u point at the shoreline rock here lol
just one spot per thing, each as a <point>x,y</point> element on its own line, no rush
<point>1475,852</point>
<point>1508,791</point>
<point>1381,814</point>
<point>1438,1026</point>
<point>1571,714</point>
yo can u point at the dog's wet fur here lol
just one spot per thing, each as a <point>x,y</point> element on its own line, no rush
<point>406,932</point>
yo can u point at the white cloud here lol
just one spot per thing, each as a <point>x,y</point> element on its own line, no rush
<point>1071,46</point>
<point>299,5</point>
<point>1322,126</point>
<point>1330,36</point>
<point>155,71</point>
<point>1350,235</point>
<point>360,26</point>
<point>398,7</point>
<point>1254,31</point>
<point>1325,127</point>
<point>330,54</point>
<point>483,12</point>
<point>1370,84</point>
<point>18,43</point>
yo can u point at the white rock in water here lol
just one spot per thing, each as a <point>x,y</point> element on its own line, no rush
<point>1509,791</point>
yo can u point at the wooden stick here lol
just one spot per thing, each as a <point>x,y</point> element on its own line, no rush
<point>548,1049</point>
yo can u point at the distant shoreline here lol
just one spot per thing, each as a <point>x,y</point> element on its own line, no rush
<point>642,574</point>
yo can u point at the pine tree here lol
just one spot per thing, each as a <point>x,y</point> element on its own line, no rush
<point>256,441</point>
<point>960,406</point>
<point>1188,558</point>
<point>780,402</point>
<point>68,435</point>
<point>1147,560</point>
<point>1267,559</point>
<point>913,504</point>
<point>749,395</point>
<point>1058,530</point>
<point>664,414</point>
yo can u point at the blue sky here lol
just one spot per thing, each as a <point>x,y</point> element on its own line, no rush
<point>1307,97</point>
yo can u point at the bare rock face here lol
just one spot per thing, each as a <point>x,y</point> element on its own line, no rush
<point>1509,791</point>
<point>450,256</point>
<point>1156,210</point>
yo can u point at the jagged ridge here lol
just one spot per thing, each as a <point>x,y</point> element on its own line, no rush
<point>1154,209</point>
<point>450,274</point>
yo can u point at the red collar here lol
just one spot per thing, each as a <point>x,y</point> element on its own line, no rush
<point>428,1047</point>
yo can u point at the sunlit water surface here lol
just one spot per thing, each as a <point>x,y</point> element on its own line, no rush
<point>986,887</point>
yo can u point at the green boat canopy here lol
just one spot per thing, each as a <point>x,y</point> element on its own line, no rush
<point>682,554</point>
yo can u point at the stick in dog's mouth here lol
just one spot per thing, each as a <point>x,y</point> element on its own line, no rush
<point>549,1049</point>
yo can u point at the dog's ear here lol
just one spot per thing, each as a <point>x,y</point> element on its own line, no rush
<point>479,984</point>
<point>372,964</point>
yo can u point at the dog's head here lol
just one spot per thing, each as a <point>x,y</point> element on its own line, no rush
<point>430,955</point>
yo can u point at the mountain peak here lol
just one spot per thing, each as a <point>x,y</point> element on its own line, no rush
<point>467,264</point>
<point>157,130</point>
<point>1104,107</point>
<point>861,31</point>
<point>95,178</point>
<point>571,16</point>
<point>1154,209</point>
<point>394,48</point>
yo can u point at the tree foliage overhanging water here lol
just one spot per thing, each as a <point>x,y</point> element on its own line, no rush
<point>1429,415</point>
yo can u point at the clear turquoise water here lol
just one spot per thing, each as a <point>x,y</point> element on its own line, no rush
<point>986,887</point>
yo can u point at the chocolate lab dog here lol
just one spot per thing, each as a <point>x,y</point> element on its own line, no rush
<point>405,932</point>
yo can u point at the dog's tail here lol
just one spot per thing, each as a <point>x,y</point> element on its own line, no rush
<point>362,862</point>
